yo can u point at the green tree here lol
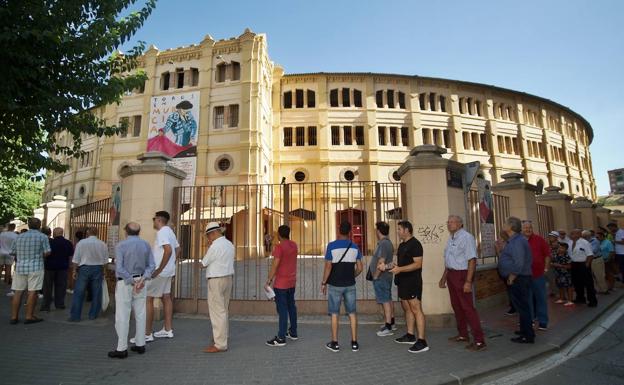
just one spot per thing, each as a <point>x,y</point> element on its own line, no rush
<point>19,196</point>
<point>59,59</point>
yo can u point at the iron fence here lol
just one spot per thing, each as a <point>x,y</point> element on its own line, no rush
<point>95,214</point>
<point>499,212</point>
<point>545,220</point>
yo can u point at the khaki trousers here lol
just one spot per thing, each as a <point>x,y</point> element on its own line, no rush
<point>219,291</point>
<point>598,270</point>
<point>127,300</point>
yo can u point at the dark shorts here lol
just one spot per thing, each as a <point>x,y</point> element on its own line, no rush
<point>410,288</point>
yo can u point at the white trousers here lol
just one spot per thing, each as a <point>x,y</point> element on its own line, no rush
<point>598,271</point>
<point>127,300</point>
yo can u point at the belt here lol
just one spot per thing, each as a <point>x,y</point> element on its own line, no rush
<point>449,269</point>
<point>223,276</point>
<point>134,276</point>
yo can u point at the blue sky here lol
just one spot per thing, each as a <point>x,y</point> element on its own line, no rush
<point>570,51</point>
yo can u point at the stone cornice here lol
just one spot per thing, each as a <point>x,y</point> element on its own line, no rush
<point>429,156</point>
<point>151,163</point>
<point>553,193</point>
<point>513,181</point>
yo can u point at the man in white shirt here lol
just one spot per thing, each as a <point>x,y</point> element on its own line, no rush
<point>618,242</point>
<point>165,250</point>
<point>90,256</point>
<point>219,263</point>
<point>582,279</point>
<point>6,260</point>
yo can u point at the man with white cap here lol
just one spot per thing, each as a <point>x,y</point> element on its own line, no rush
<point>219,264</point>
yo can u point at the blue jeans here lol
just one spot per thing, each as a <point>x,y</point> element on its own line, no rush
<point>285,303</point>
<point>87,275</point>
<point>521,296</point>
<point>335,295</point>
<point>539,305</point>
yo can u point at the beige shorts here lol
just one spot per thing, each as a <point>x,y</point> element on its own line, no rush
<point>30,282</point>
<point>158,286</point>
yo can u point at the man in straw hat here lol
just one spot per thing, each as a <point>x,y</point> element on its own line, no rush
<point>219,263</point>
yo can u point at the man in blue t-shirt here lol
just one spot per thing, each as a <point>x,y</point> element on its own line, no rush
<point>343,262</point>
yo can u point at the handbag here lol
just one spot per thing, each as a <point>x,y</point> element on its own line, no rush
<point>369,275</point>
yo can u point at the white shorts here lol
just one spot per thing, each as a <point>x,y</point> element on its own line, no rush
<point>30,282</point>
<point>159,286</point>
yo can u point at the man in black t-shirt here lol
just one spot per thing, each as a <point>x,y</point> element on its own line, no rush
<point>408,278</point>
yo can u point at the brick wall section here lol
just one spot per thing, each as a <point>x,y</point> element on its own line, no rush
<point>488,282</point>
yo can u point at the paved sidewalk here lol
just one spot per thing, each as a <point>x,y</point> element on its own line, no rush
<point>58,352</point>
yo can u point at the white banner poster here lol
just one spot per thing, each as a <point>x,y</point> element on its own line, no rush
<point>486,217</point>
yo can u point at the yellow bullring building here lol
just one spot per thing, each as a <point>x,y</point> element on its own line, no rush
<point>257,124</point>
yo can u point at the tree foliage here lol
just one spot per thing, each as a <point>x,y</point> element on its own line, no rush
<point>59,60</point>
<point>19,196</point>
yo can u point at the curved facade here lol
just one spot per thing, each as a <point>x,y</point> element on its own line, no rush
<point>258,124</point>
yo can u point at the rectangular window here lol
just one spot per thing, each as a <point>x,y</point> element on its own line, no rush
<point>348,138</point>
<point>221,69</point>
<point>401,100</point>
<point>233,115</point>
<point>484,146</point>
<point>501,144</point>
<point>312,135</point>
<point>333,98</point>
<point>124,121</point>
<point>516,150</point>
<point>194,77</point>
<point>437,137</point>
<point>461,105</point>
<point>442,103</point>
<point>405,136</point>
<point>300,138</point>
<point>335,135</point>
<point>432,101</point>
<point>446,135</point>
<point>470,110</point>
<point>421,101</point>
<point>393,136</point>
<point>345,97</point>
<point>311,99</point>
<point>299,98</point>
<point>179,77</point>
<point>136,126</point>
<point>475,141</point>
<point>478,108</point>
<point>287,136</point>
<point>288,99</point>
<point>219,116</point>
<point>359,135</point>
<point>357,98</point>
<point>466,139</point>
<point>390,97</point>
<point>235,70</point>
<point>381,133</point>
<point>164,81</point>
<point>379,99</point>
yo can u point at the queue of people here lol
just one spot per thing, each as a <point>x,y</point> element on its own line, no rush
<point>531,266</point>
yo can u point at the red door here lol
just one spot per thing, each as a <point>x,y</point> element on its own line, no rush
<point>357,218</point>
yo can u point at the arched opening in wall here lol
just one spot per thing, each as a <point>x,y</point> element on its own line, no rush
<point>82,191</point>
<point>562,185</point>
<point>540,187</point>
<point>224,164</point>
<point>349,175</point>
<point>396,177</point>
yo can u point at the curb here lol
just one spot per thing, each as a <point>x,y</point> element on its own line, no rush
<point>547,350</point>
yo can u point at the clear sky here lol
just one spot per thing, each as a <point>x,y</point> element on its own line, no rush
<point>571,51</point>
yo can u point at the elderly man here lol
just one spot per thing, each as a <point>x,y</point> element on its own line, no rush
<point>56,266</point>
<point>219,264</point>
<point>514,265</point>
<point>618,242</point>
<point>598,264</point>
<point>7,238</point>
<point>134,264</point>
<point>582,280</point>
<point>460,262</point>
<point>29,249</point>
<point>90,256</point>
<point>541,253</point>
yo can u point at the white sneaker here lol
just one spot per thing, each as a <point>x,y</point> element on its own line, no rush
<point>40,296</point>
<point>10,294</point>
<point>148,338</point>
<point>164,333</point>
<point>70,291</point>
<point>385,332</point>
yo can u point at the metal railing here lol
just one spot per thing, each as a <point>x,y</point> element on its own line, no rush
<point>251,215</point>
<point>545,220</point>
<point>500,211</point>
<point>95,214</point>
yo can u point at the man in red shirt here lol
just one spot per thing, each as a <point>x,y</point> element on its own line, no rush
<point>284,270</point>
<point>540,264</point>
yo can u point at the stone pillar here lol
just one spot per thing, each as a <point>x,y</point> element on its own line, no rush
<point>58,213</point>
<point>521,195</point>
<point>602,215</point>
<point>433,187</point>
<point>147,187</point>
<point>561,206</point>
<point>588,212</point>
